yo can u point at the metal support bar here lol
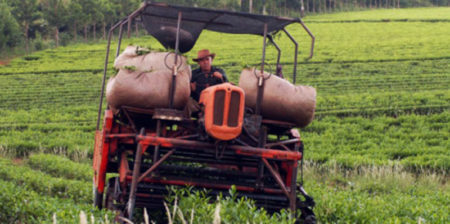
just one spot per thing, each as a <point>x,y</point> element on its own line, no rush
<point>277,178</point>
<point>278,49</point>
<point>295,55</point>
<point>301,162</point>
<point>175,70</point>
<point>202,146</point>
<point>134,14</point>
<point>134,181</point>
<point>133,126</point>
<point>261,141</point>
<point>293,201</point>
<point>260,93</point>
<point>207,184</point>
<point>120,38</point>
<point>158,134</point>
<point>155,165</point>
<point>104,72</point>
<point>313,39</point>
<point>111,30</point>
<point>264,49</point>
<point>289,141</point>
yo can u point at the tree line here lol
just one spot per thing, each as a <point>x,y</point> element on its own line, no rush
<point>29,23</point>
<point>59,20</point>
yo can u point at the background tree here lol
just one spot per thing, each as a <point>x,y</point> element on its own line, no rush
<point>109,15</point>
<point>9,28</point>
<point>75,16</point>
<point>56,14</point>
<point>26,13</point>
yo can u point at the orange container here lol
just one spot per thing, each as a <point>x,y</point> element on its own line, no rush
<point>224,110</point>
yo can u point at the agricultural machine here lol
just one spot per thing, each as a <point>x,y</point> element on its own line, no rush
<point>226,144</point>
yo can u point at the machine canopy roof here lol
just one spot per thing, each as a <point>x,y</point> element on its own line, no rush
<point>160,20</point>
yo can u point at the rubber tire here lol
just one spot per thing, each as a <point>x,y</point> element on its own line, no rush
<point>307,217</point>
<point>98,199</point>
<point>109,200</point>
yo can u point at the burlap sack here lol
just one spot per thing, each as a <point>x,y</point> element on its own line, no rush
<point>282,100</point>
<point>144,81</point>
<point>140,60</point>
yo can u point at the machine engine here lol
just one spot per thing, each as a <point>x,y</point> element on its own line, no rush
<point>223,111</point>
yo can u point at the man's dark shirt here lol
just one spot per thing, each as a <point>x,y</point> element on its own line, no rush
<point>203,80</point>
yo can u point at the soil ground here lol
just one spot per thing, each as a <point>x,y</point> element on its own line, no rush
<point>3,62</point>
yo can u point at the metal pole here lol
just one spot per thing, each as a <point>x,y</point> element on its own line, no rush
<point>295,55</point>
<point>264,49</point>
<point>158,134</point>
<point>120,38</point>
<point>134,14</point>
<point>107,58</point>
<point>104,73</point>
<point>277,177</point>
<point>261,77</point>
<point>134,181</point>
<point>156,165</point>
<point>313,39</point>
<point>292,198</point>
<point>129,28</point>
<point>278,49</point>
<point>175,68</point>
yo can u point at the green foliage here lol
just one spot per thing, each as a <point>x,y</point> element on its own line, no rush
<point>9,28</point>
<point>417,142</point>
<point>78,191</point>
<point>377,194</point>
<point>385,15</point>
<point>21,204</point>
<point>59,166</point>
<point>228,209</point>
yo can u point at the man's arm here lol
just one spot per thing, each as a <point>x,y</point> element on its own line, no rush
<point>220,74</point>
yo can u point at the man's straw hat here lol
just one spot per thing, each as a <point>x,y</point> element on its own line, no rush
<point>203,54</point>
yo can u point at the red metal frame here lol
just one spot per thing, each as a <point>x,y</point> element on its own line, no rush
<point>280,158</point>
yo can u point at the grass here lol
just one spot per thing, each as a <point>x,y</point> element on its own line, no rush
<point>410,14</point>
<point>370,194</point>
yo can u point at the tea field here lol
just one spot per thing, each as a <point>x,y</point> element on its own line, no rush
<point>378,150</point>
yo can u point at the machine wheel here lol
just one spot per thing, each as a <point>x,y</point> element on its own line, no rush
<point>98,199</point>
<point>109,197</point>
<point>307,217</point>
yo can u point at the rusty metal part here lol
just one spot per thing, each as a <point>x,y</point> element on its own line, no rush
<point>168,114</point>
<point>260,93</point>
<point>285,142</point>
<point>277,178</point>
<point>105,68</point>
<point>174,71</point>
<point>313,38</point>
<point>295,55</point>
<point>133,15</point>
<point>202,146</point>
<point>278,50</point>
<point>119,41</point>
<point>261,141</point>
<point>134,182</point>
<point>293,196</point>
<point>127,115</point>
<point>158,134</point>
<point>155,165</point>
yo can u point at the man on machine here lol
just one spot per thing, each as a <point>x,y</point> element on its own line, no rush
<point>206,75</point>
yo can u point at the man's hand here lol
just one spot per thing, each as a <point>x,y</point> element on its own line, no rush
<point>193,86</point>
<point>218,75</point>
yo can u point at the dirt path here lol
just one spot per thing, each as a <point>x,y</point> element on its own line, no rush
<point>4,62</point>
